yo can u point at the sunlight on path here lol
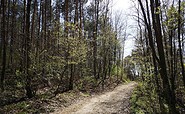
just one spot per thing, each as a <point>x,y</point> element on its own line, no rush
<point>114,102</point>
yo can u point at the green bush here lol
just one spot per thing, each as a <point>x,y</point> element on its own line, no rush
<point>116,70</point>
<point>144,101</point>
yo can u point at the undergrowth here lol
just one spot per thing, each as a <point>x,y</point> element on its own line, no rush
<point>144,100</point>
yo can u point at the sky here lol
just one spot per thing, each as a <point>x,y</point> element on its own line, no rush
<point>125,6</point>
<point>121,4</point>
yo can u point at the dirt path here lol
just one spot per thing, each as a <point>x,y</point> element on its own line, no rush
<point>114,102</point>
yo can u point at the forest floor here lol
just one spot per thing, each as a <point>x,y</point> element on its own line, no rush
<point>114,98</point>
<point>116,101</point>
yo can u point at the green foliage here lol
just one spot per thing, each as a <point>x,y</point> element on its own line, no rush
<point>116,70</point>
<point>23,105</point>
<point>53,55</point>
<point>130,67</point>
<point>20,77</point>
<point>158,10</point>
<point>144,100</point>
<point>86,82</point>
<point>173,16</point>
<point>20,108</point>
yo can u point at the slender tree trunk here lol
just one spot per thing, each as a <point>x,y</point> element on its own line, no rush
<point>3,36</point>
<point>76,12</point>
<point>28,88</point>
<point>81,15</point>
<point>23,59</point>
<point>71,79</point>
<point>33,23</point>
<point>158,89</point>
<point>38,31</point>
<point>13,35</point>
<point>45,28</point>
<point>42,25</point>
<point>66,30</point>
<point>1,44</point>
<point>66,16</point>
<point>7,30</point>
<point>95,37</point>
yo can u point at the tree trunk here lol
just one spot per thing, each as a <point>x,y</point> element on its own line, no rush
<point>95,37</point>
<point>13,33</point>
<point>28,88</point>
<point>8,30</point>
<point>33,23</point>
<point>66,16</point>
<point>169,94</point>
<point>3,36</point>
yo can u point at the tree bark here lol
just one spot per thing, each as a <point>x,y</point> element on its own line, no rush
<point>168,93</point>
<point>3,36</point>
<point>28,88</point>
<point>95,37</point>
<point>33,23</point>
<point>66,16</point>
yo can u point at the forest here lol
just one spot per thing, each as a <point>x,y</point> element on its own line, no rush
<point>53,52</point>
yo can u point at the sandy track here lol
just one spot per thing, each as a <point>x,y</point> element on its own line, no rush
<point>114,102</point>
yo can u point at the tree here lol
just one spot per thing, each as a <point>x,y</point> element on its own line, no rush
<point>161,20</point>
<point>60,45</point>
<point>28,88</point>
<point>3,36</point>
<point>179,40</point>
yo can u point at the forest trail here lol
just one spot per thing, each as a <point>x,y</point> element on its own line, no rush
<point>113,102</point>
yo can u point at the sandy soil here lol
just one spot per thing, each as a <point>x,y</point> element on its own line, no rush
<point>113,102</point>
